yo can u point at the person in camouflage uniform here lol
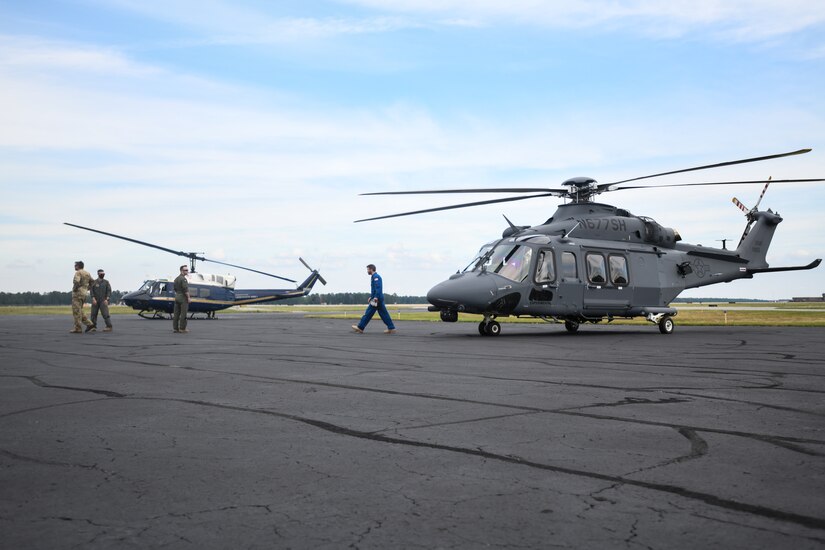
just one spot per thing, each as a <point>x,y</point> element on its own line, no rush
<point>80,288</point>
<point>101,292</point>
<point>182,299</point>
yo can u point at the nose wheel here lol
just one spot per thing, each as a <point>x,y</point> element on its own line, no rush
<point>489,328</point>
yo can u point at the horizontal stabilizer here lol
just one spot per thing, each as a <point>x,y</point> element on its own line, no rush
<point>811,265</point>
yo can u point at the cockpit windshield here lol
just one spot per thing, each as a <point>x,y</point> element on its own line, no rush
<point>146,286</point>
<point>508,260</point>
<point>481,252</point>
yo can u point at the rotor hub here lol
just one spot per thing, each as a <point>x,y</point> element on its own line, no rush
<point>582,188</point>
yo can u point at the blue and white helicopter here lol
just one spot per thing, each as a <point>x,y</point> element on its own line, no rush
<point>209,293</point>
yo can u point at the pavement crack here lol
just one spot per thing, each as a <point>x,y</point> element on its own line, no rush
<point>629,401</point>
<point>37,382</point>
<point>23,458</point>
<point>707,498</point>
<point>467,421</point>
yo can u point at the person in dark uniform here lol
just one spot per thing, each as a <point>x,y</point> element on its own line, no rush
<point>80,288</point>
<point>182,300</point>
<point>376,303</point>
<point>101,292</point>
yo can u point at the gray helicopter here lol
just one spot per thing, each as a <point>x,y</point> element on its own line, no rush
<point>593,262</point>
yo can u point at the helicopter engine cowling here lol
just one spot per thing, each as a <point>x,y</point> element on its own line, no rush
<point>659,235</point>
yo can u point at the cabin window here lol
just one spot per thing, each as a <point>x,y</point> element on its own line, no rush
<point>516,264</point>
<point>618,270</point>
<point>596,272</point>
<point>568,265</point>
<point>545,267</point>
<point>205,292</point>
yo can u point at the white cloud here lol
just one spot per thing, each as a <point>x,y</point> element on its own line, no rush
<point>20,52</point>
<point>739,19</point>
<point>228,170</point>
<point>220,22</point>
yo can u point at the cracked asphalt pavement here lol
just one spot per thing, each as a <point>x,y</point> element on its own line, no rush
<point>279,431</point>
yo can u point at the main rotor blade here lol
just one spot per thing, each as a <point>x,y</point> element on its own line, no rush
<point>483,190</point>
<point>248,269</point>
<point>191,255</point>
<point>464,205</point>
<point>715,183</point>
<point>718,165</point>
<point>177,252</point>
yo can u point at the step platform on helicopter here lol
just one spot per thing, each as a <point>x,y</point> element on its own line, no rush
<point>593,262</point>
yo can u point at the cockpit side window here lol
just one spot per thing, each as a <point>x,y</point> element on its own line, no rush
<point>596,272</point>
<point>618,270</point>
<point>516,264</point>
<point>545,267</point>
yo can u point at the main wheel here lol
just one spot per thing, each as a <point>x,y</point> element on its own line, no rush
<point>493,328</point>
<point>482,328</point>
<point>666,325</point>
<point>571,326</point>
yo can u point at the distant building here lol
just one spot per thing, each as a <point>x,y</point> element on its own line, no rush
<point>809,299</point>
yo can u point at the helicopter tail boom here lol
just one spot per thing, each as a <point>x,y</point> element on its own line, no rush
<point>754,245</point>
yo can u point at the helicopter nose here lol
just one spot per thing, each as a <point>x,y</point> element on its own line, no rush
<point>470,292</point>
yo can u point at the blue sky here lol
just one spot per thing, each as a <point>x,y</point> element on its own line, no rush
<point>246,130</point>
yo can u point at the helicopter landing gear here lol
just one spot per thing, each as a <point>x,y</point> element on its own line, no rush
<point>489,327</point>
<point>449,315</point>
<point>154,314</point>
<point>571,326</point>
<point>664,320</point>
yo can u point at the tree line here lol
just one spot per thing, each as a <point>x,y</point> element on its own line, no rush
<point>57,298</point>
<point>53,298</point>
<point>349,298</point>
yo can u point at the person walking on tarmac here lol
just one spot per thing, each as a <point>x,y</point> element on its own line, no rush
<point>182,300</point>
<point>376,303</point>
<point>101,292</point>
<point>80,288</point>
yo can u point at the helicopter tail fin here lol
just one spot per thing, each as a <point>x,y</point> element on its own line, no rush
<point>758,234</point>
<point>310,281</point>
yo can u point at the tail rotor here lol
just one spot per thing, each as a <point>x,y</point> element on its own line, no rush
<point>750,212</point>
<point>314,272</point>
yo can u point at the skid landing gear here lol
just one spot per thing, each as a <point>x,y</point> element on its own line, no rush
<point>154,314</point>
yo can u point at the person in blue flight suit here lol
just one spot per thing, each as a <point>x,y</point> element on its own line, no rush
<point>376,303</point>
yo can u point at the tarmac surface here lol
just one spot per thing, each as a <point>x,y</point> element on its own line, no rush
<point>276,431</point>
